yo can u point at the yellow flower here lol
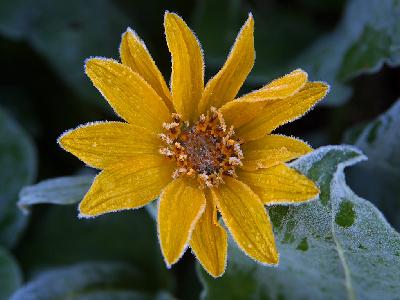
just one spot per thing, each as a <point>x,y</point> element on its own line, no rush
<point>199,149</point>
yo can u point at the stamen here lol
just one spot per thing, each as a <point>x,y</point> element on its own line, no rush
<point>206,150</point>
<point>169,126</point>
<point>166,152</point>
<point>234,161</point>
<point>166,138</point>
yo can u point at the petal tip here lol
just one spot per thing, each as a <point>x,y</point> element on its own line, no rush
<point>168,15</point>
<point>170,260</point>
<point>168,264</point>
<point>125,34</point>
<point>172,17</point>
<point>275,259</point>
<point>96,61</point>
<point>250,18</point>
<point>315,191</point>
<point>216,274</point>
<point>63,138</point>
<point>271,259</point>
<point>249,24</point>
<point>301,71</point>
<point>85,211</point>
<point>84,215</point>
<point>129,30</point>
<point>325,86</point>
<point>87,63</point>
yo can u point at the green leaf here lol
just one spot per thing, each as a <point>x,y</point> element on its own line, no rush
<point>337,247</point>
<point>378,178</point>
<point>66,33</point>
<point>61,190</point>
<point>367,37</point>
<point>18,168</point>
<point>94,281</point>
<point>10,275</point>
<point>58,237</point>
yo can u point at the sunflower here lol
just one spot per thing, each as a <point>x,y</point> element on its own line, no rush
<point>204,153</point>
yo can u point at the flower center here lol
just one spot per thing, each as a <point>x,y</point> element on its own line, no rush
<point>205,150</point>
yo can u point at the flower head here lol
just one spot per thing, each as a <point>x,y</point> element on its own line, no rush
<point>204,152</point>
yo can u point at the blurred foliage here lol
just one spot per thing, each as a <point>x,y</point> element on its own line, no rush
<point>18,168</point>
<point>10,274</point>
<point>354,45</point>
<point>93,281</point>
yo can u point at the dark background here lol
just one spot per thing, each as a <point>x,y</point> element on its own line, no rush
<point>43,45</point>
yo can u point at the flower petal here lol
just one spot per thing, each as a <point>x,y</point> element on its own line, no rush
<point>103,144</point>
<point>180,207</point>
<point>280,88</point>
<point>127,185</point>
<point>247,220</point>
<point>224,86</point>
<point>209,240</point>
<point>278,112</point>
<point>187,78</point>
<point>238,113</point>
<point>135,55</point>
<point>279,184</point>
<point>272,150</point>
<point>128,93</point>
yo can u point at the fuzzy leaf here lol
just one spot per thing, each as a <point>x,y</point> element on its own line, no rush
<point>61,190</point>
<point>94,281</point>
<point>378,178</point>
<point>337,247</point>
<point>10,275</point>
<point>18,168</point>
<point>59,238</point>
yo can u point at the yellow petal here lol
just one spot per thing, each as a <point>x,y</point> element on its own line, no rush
<point>224,86</point>
<point>103,144</point>
<point>181,205</point>
<point>209,240</point>
<point>238,113</point>
<point>272,150</point>
<point>282,87</point>
<point>187,78</point>
<point>128,93</point>
<point>127,185</point>
<point>135,55</point>
<point>279,184</point>
<point>247,220</point>
<point>278,112</point>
